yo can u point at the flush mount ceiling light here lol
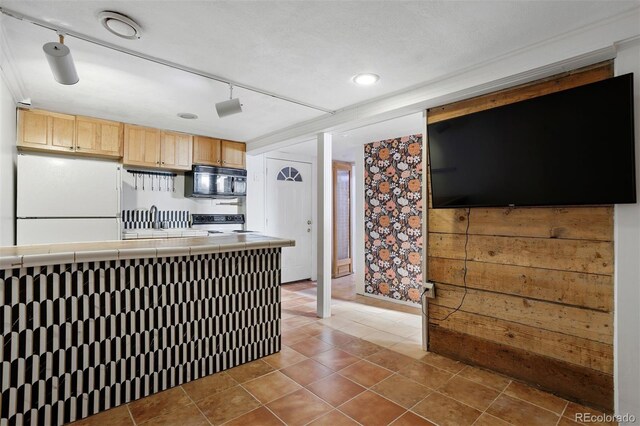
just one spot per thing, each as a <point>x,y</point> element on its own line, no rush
<point>120,25</point>
<point>60,61</point>
<point>230,107</point>
<point>365,79</point>
<point>187,115</point>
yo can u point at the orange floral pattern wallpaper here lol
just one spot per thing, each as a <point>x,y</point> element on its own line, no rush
<point>393,218</point>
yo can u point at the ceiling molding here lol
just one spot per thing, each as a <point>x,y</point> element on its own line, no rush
<point>574,49</point>
<point>9,73</point>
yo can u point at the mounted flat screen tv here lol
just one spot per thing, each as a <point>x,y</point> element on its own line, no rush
<point>573,147</point>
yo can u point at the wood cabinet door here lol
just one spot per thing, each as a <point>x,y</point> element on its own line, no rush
<point>111,138</point>
<point>141,146</point>
<point>87,135</point>
<point>99,137</point>
<point>33,129</point>
<point>63,129</point>
<point>233,154</point>
<point>206,151</point>
<point>176,151</point>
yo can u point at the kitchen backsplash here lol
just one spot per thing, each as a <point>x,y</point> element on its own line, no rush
<point>143,219</point>
<point>134,199</point>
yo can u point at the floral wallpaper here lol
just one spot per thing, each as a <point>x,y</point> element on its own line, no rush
<point>393,218</point>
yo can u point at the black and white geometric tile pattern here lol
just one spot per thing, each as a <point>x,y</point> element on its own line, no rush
<point>84,337</point>
<point>143,219</point>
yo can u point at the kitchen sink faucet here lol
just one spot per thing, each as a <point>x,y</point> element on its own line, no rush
<point>153,212</point>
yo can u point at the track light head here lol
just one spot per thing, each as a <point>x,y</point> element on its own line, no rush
<point>61,63</point>
<point>230,107</point>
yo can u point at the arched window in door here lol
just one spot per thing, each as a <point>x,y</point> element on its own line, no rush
<point>289,174</point>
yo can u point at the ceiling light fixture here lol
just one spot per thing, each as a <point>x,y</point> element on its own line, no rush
<point>365,79</point>
<point>60,61</point>
<point>120,25</point>
<point>230,107</point>
<point>187,115</point>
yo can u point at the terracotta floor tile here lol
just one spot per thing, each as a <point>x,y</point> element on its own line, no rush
<point>271,386</point>
<point>158,404</point>
<point>468,392</point>
<point>299,408</point>
<point>365,373</point>
<point>209,385</point>
<point>389,359</point>
<point>518,412</point>
<point>445,411</point>
<point>118,416</point>
<point>295,322</point>
<point>335,389</point>
<point>425,374</point>
<point>289,337</point>
<point>489,420</point>
<point>260,416</point>
<point>443,362</point>
<point>336,359</point>
<point>411,419</point>
<point>335,337</point>
<point>536,397</point>
<point>227,405</point>
<point>334,418</point>
<point>184,416</point>
<point>313,329</point>
<point>573,409</point>
<point>307,371</point>
<point>484,377</point>
<point>370,409</point>
<point>249,371</point>
<point>311,346</point>
<point>564,421</point>
<point>401,390</point>
<point>360,347</point>
<point>284,358</point>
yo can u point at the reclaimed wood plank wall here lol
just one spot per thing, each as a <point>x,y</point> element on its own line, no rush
<point>539,305</point>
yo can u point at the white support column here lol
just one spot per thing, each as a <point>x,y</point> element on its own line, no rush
<point>324,225</point>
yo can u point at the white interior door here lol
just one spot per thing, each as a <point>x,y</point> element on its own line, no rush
<point>288,214</point>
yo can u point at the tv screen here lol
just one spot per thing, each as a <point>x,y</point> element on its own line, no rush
<point>572,147</point>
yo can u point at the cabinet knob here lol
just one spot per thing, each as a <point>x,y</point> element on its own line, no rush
<point>77,147</point>
<point>163,162</point>
<point>71,148</point>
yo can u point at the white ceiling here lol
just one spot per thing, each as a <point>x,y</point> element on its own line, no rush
<point>346,145</point>
<point>307,50</point>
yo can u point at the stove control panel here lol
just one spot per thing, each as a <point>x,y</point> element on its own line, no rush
<point>217,219</point>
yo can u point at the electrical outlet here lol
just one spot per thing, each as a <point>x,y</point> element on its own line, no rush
<point>429,289</point>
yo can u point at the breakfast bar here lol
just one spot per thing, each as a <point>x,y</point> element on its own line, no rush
<point>90,326</point>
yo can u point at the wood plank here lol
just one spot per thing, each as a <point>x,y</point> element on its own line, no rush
<point>572,349</point>
<point>553,84</point>
<point>570,288</point>
<point>585,323</point>
<point>595,257</point>
<point>585,223</point>
<point>580,384</point>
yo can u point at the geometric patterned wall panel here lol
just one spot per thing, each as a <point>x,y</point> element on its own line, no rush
<point>84,337</point>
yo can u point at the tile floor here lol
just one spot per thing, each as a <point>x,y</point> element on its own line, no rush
<point>364,365</point>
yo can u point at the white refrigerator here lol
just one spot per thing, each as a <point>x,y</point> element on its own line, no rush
<point>61,199</point>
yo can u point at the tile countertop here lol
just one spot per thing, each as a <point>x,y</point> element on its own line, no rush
<point>54,254</point>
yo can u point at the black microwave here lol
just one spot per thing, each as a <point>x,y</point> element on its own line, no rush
<point>215,182</point>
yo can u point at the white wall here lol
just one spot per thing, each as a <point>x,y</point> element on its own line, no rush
<point>7,164</point>
<point>627,266</point>
<point>169,200</point>
<point>359,219</point>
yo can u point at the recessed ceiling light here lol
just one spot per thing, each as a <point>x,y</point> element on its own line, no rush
<point>187,115</point>
<point>120,25</point>
<point>365,79</point>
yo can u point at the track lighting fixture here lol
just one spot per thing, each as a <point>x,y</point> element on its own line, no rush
<point>60,61</point>
<point>232,106</point>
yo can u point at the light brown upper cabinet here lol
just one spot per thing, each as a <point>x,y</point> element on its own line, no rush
<point>176,151</point>
<point>141,146</point>
<point>216,152</point>
<point>45,130</point>
<point>99,137</point>
<point>206,151</point>
<point>233,154</point>
<point>148,147</point>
